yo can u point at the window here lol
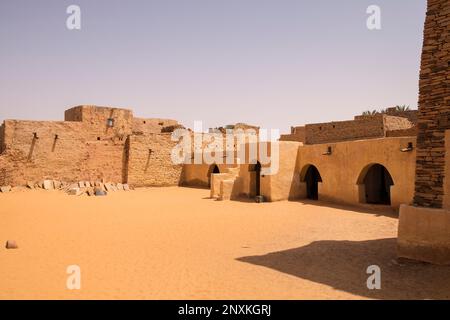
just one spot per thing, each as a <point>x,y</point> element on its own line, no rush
<point>110,122</point>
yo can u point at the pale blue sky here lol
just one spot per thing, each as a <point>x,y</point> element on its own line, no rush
<point>271,63</point>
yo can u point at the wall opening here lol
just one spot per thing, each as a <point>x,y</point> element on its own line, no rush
<point>375,183</point>
<point>256,168</point>
<point>311,176</point>
<point>212,169</point>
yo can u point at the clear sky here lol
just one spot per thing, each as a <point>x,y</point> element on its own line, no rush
<point>273,63</point>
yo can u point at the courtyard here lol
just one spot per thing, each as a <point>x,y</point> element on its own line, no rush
<point>176,243</point>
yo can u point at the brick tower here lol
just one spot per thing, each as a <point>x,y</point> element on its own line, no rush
<point>424,228</point>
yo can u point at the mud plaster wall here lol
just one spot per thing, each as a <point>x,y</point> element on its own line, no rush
<point>341,170</point>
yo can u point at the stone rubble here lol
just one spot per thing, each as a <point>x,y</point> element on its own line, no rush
<point>91,188</point>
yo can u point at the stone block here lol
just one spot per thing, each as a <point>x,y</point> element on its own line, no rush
<point>11,244</point>
<point>90,192</point>
<point>57,184</point>
<point>48,185</point>
<point>74,192</point>
<point>5,189</point>
<point>100,192</point>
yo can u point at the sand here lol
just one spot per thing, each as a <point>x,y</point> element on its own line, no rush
<point>175,243</point>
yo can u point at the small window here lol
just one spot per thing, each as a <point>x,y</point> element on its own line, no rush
<point>98,138</point>
<point>110,122</point>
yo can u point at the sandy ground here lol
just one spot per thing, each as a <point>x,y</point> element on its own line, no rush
<point>175,243</point>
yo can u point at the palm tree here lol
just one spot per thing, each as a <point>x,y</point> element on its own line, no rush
<point>402,108</point>
<point>370,113</point>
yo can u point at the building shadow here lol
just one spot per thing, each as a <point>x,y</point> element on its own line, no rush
<point>343,264</point>
<point>378,210</point>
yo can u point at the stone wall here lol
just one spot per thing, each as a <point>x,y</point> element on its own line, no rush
<point>147,126</point>
<point>37,150</point>
<point>2,138</point>
<point>297,134</point>
<point>150,163</point>
<point>86,148</point>
<point>411,132</point>
<point>363,127</point>
<point>367,128</point>
<point>95,119</point>
<point>434,106</point>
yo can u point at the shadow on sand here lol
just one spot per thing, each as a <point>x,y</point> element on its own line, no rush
<point>343,264</point>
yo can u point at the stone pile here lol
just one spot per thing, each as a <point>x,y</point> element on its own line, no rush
<point>89,188</point>
<point>96,188</point>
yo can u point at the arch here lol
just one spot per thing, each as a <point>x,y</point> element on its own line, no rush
<point>214,168</point>
<point>311,176</point>
<point>374,184</point>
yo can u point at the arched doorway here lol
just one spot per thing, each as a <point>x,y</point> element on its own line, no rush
<point>377,182</point>
<point>212,169</point>
<point>256,168</point>
<point>311,177</point>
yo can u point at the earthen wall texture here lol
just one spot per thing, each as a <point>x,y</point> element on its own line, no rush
<point>37,150</point>
<point>411,132</point>
<point>297,134</point>
<point>2,137</point>
<point>155,125</point>
<point>434,106</point>
<point>344,130</point>
<point>411,115</point>
<point>85,148</point>
<point>95,118</point>
<point>150,162</point>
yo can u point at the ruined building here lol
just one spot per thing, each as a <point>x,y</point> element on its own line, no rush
<point>395,159</point>
<point>93,143</point>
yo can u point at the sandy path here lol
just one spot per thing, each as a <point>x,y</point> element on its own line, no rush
<point>174,243</point>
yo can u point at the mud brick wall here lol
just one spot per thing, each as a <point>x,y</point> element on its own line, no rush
<point>150,163</point>
<point>434,106</point>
